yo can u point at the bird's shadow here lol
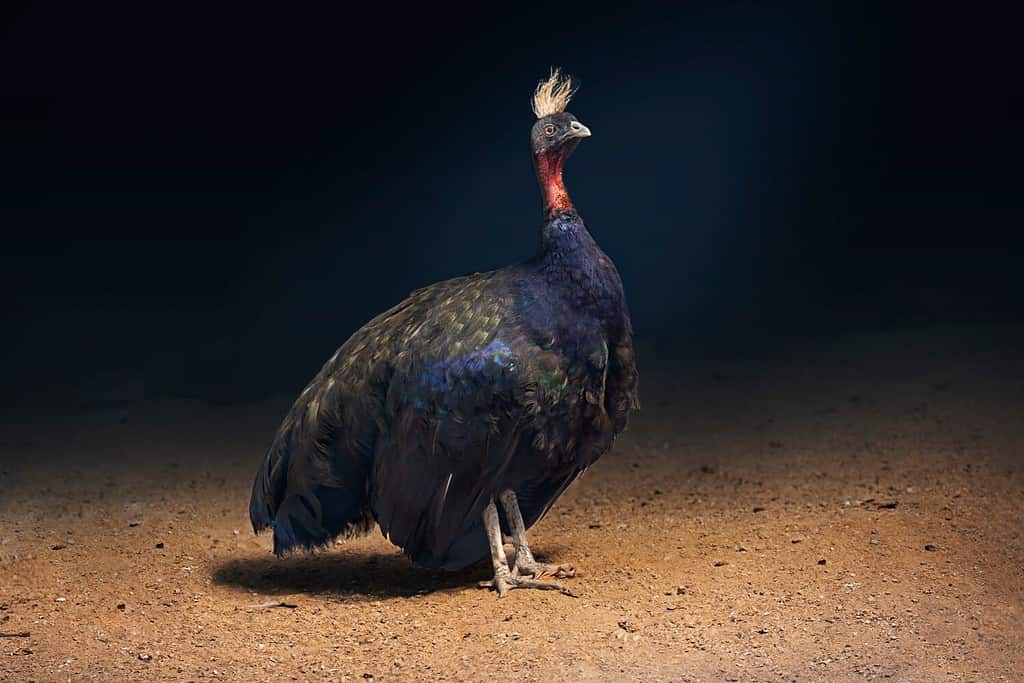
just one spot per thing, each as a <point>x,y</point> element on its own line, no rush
<point>348,573</point>
<point>367,575</point>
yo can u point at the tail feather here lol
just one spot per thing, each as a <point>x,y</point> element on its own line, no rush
<point>309,490</point>
<point>268,489</point>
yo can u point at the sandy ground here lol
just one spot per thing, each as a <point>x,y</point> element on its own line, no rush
<point>848,510</point>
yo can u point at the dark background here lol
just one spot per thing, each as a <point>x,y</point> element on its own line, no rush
<point>206,201</point>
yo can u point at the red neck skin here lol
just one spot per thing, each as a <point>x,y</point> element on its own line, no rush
<point>549,175</point>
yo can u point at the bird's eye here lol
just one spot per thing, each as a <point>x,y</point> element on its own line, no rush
<point>549,130</point>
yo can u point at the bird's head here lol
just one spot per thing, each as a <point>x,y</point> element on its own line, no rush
<point>556,132</point>
<point>553,138</point>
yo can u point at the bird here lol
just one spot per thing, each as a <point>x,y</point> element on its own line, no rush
<point>455,419</point>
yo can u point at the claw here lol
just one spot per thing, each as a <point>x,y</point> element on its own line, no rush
<point>539,570</point>
<point>503,584</point>
<point>559,571</point>
<point>526,571</point>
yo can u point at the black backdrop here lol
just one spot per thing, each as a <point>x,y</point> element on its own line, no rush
<point>211,198</point>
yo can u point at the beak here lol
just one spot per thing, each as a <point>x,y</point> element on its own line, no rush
<point>578,130</point>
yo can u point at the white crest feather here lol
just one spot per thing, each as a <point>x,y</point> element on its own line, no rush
<point>553,94</point>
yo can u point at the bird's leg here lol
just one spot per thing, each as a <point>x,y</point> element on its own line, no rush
<point>525,564</point>
<point>504,579</point>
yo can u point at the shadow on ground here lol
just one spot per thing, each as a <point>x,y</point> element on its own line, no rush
<point>372,575</point>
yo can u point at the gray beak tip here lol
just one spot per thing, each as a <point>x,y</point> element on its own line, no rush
<point>579,130</point>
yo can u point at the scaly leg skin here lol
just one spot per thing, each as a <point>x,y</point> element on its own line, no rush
<point>504,580</point>
<point>525,564</point>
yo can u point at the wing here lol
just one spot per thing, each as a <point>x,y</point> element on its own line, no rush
<point>464,399</point>
<point>454,425</point>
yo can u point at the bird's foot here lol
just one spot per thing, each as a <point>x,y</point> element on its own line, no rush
<point>531,568</point>
<point>504,581</point>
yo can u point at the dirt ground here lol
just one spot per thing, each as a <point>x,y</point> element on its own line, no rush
<point>846,510</point>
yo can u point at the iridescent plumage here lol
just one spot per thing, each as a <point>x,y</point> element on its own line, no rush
<point>516,379</point>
